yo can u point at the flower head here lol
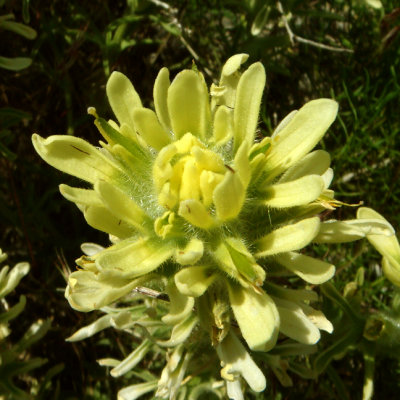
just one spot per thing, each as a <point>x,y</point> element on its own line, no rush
<point>193,200</point>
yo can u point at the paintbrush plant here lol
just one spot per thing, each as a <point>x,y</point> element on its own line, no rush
<point>199,206</point>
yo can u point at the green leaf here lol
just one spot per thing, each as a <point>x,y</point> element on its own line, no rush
<point>8,282</point>
<point>14,311</point>
<point>25,11</point>
<point>133,392</point>
<point>260,20</point>
<point>12,116</point>
<point>7,153</point>
<point>132,360</point>
<point>18,28</point>
<point>15,64</point>
<point>340,345</point>
<point>35,332</point>
<point>180,332</point>
<point>171,28</point>
<point>121,320</point>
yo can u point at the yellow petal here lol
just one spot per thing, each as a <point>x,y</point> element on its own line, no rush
<point>196,214</point>
<point>168,196</point>
<point>247,105</point>
<point>148,127</point>
<point>229,196</point>
<point>225,93</point>
<point>283,123</point>
<point>257,317</point>
<point>327,176</point>
<point>137,166</point>
<point>121,205</point>
<point>244,261</point>
<point>391,269</point>
<point>333,231</point>
<point>132,359</point>
<point>9,279</point>
<point>190,181</point>
<point>132,259</point>
<point>76,157</point>
<point>99,217</point>
<point>191,253</point>
<point>85,197</point>
<point>122,97</point>
<point>113,135</point>
<point>314,163</point>
<point>194,281</point>
<point>186,143</point>
<point>387,246</point>
<point>87,291</point>
<point>223,125</point>
<point>133,392</point>
<point>162,169</point>
<point>300,135</point>
<point>242,164</point>
<point>224,261</point>
<point>299,192</point>
<point>288,238</point>
<point>160,94</point>
<point>233,64</point>
<point>208,182</point>
<point>310,269</point>
<point>295,324</point>
<point>188,105</point>
<point>207,159</point>
<point>165,225</point>
<point>119,320</point>
<point>180,306</point>
<point>128,132</point>
<point>236,360</point>
<point>317,318</point>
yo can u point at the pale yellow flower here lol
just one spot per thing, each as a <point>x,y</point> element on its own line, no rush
<point>191,197</point>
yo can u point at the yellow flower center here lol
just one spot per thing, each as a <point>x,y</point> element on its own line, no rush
<point>187,170</point>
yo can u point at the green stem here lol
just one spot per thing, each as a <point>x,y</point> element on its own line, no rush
<point>369,368</point>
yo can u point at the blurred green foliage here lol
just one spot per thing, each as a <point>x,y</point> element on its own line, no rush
<point>15,358</point>
<point>346,50</point>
